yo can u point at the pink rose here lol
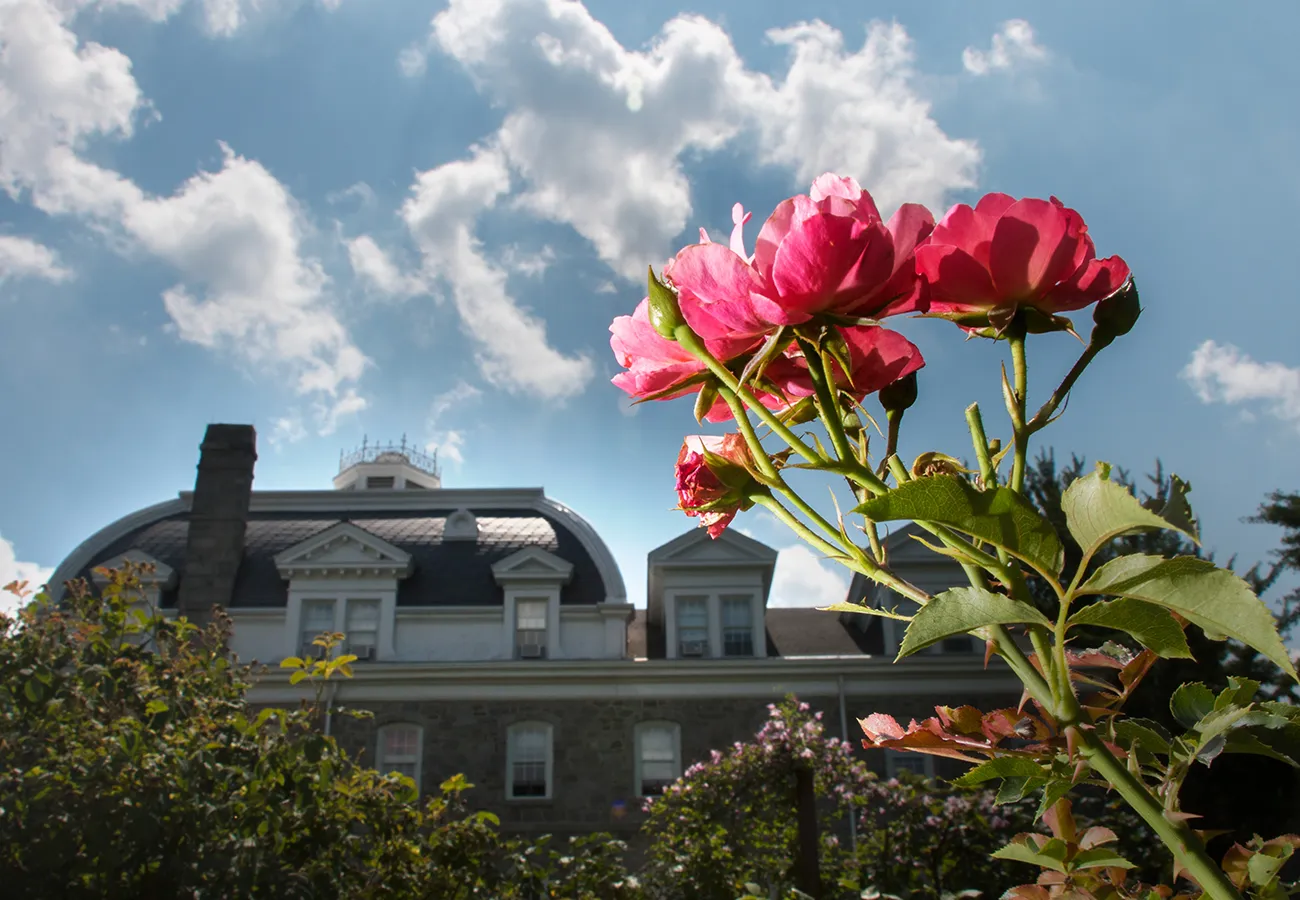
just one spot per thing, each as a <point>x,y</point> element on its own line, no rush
<point>656,365</point>
<point>713,478</point>
<point>877,357</point>
<point>825,252</point>
<point>984,263</point>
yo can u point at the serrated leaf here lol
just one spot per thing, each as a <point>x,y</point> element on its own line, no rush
<point>1100,858</point>
<point>1263,868</point>
<point>961,611</point>
<point>1190,703</point>
<point>864,610</point>
<point>1013,790</point>
<point>1098,510</point>
<point>1154,627</point>
<point>1239,691</point>
<point>153,707</point>
<point>1284,748</point>
<point>1213,598</point>
<point>291,662</point>
<point>1148,734</point>
<point>1052,793</point>
<point>1001,767</point>
<point>998,516</point>
<point>298,676</point>
<point>1019,851</point>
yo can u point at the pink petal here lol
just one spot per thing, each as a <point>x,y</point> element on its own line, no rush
<point>969,229</point>
<point>1094,281</point>
<point>813,261</point>
<point>1036,244</point>
<point>832,185</point>
<point>633,338</point>
<point>714,291</point>
<point>865,281</point>
<point>879,357</point>
<point>738,219</point>
<point>957,282</point>
<point>787,214</point>
<point>904,291</point>
<point>992,206</point>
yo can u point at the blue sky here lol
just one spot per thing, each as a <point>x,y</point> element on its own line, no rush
<point>372,217</point>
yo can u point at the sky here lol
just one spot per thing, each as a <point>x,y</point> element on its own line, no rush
<point>337,219</point>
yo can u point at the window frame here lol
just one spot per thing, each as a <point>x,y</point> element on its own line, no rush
<point>511,753</point>
<point>736,599</point>
<point>681,603</point>
<point>715,642</point>
<point>305,648</point>
<point>892,767</point>
<point>544,632</point>
<point>380,757</point>
<point>638,760</point>
<point>379,621</point>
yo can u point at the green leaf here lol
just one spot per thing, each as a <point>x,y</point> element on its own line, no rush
<point>1023,852</point>
<point>1097,510</point>
<point>153,707</point>
<point>291,662</point>
<point>298,676</point>
<point>999,516</point>
<point>1213,598</point>
<point>864,610</point>
<point>1284,747</point>
<point>961,611</point>
<point>1190,703</point>
<point>1150,735</point>
<point>1001,767</point>
<point>1263,868</point>
<point>1100,858</point>
<point>1153,626</point>
<point>1239,691</point>
<point>1013,790</point>
<point>1053,792</point>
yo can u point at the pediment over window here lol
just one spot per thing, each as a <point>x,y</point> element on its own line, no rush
<point>343,551</point>
<point>697,548</point>
<point>532,565</point>
<point>163,576</point>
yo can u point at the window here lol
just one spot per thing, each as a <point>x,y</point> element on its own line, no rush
<point>317,617</point>
<point>528,761</point>
<point>399,751</point>
<point>362,627</point>
<point>916,763</point>
<point>737,626</point>
<point>530,628</point>
<point>379,481</point>
<point>658,757</point>
<point>692,626</point>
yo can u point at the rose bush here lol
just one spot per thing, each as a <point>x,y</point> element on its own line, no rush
<point>796,320</point>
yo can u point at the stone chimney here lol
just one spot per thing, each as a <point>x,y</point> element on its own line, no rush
<point>218,519</point>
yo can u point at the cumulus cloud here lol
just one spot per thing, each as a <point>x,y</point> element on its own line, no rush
<point>802,578</point>
<point>512,348</point>
<point>1221,373</point>
<point>598,132</point>
<point>373,266</point>
<point>448,443</point>
<point>1013,44</point>
<point>22,257</point>
<point>234,236</point>
<point>14,569</point>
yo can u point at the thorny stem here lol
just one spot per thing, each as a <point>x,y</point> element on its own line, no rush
<point>1044,414</point>
<point>823,379</point>
<point>895,419</point>
<point>1181,840</point>
<point>1021,374</point>
<point>980,440</point>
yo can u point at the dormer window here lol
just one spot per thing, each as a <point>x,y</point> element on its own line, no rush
<point>362,628</point>
<point>693,626</point>
<point>317,618</point>
<point>738,625</point>
<point>530,628</point>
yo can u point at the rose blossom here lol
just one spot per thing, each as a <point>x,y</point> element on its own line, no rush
<point>712,477</point>
<point>984,262</point>
<point>877,357</point>
<point>827,251</point>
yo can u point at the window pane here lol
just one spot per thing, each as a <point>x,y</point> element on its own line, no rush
<point>530,615</point>
<point>363,614</point>
<point>400,742</point>
<point>692,613</point>
<point>737,626</point>
<point>656,744</point>
<point>907,762</point>
<point>658,762</point>
<point>317,617</point>
<point>529,751</point>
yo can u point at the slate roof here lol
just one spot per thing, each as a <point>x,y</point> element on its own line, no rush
<point>790,632</point>
<point>456,573</point>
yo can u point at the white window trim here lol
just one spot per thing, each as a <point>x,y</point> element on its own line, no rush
<point>419,750</point>
<point>552,597</point>
<point>638,731</point>
<point>713,601</point>
<point>892,768</point>
<point>549,730</point>
<point>341,592</point>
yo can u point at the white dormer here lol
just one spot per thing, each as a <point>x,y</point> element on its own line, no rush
<point>387,467</point>
<point>531,580</point>
<point>709,596</point>
<point>152,583</point>
<point>462,525</point>
<point>343,579</point>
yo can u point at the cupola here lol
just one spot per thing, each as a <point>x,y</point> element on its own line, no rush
<point>387,467</point>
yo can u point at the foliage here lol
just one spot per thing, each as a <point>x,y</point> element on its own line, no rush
<point>729,824</point>
<point>791,335</point>
<point>132,766</point>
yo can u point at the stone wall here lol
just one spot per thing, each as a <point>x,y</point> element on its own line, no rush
<point>593,748</point>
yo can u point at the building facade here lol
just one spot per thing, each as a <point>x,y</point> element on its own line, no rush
<point>494,637</point>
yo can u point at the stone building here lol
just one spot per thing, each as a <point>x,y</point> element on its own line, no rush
<point>495,638</point>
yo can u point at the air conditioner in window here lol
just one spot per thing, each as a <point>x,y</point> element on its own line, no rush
<point>363,652</point>
<point>532,651</point>
<point>693,648</point>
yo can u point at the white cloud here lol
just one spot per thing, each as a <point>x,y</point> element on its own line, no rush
<point>329,414</point>
<point>1221,373</point>
<point>234,236</point>
<point>513,352</point>
<point>412,61</point>
<point>448,443</point>
<point>287,430</point>
<point>361,192</point>
<point>373,266</point>
<point>803,578</point>
<point>22,257</point>
<point>529,265</point>
<point>13,569</point>
<point>597,132</point>
<point>1011,45</point>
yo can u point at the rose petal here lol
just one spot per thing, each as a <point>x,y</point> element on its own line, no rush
<point>815,259</point>
<point>714,292</point>
<point>958,283</point>
<point>1095,281</point>
<point>1036,244</point>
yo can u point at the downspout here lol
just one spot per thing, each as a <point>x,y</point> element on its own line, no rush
<point>844,734</point>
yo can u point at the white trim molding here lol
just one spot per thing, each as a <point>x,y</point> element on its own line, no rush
<point>343,551</point>
<point>713,597</point>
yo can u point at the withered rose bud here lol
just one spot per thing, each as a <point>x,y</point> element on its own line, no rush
<point>899,395</point>
<point>1116,315</point>
<point>713,479</point>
